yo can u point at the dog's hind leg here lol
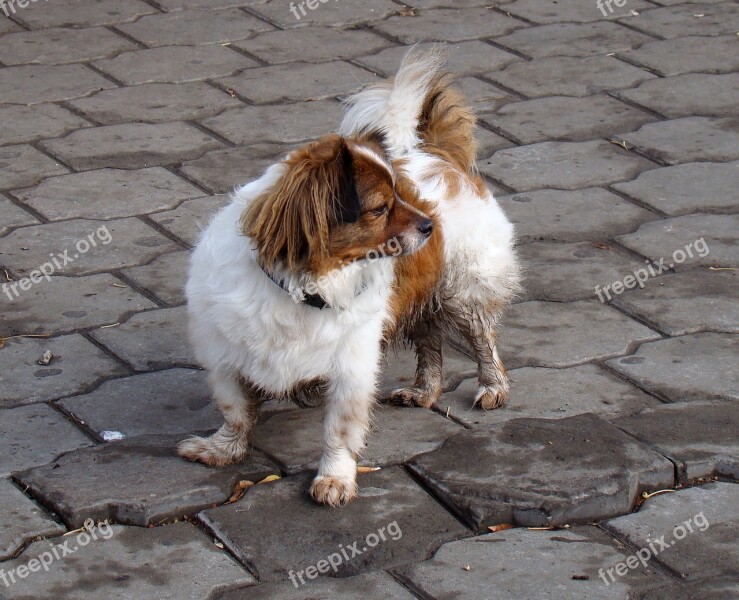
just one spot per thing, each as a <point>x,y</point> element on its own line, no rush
<point>429,341</point>
<point>239,402</point>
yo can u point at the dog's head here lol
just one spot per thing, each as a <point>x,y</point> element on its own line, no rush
<point>338,201</point>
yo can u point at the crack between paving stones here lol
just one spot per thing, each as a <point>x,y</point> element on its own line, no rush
<point>104,75</point>
<point>204,523</point>
<point>494,44</point>
<point>113,28</point>
<point>409,586</point>
<point>661,214</point>
<point>148,221</point>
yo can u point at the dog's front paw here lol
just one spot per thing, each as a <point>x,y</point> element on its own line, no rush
<point>412,396</point>
<point>490,397</point>
<point>214,451</point>
<point>333,491</point>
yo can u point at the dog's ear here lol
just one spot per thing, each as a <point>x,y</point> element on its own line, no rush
<point>290,224</point>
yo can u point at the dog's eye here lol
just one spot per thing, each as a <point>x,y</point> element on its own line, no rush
<point>378,212</point>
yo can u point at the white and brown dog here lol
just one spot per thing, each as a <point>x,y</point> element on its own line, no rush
<point>286,288</point>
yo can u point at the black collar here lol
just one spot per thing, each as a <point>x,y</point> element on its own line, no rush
<point>314,300</point>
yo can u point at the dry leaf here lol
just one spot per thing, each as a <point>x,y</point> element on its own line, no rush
<point>270,478</point>
<point>602,246</point>
<point>218,545</point>
<point>581,577</point>
<point>231,92</point>
<point>467,568</point>
<point>624,145</point>
<point>501,527</point>
<point>647,495</point>
<point>367,469</point>
<point>239,490</point>
<point>46,358</point>
<point>407,11</point>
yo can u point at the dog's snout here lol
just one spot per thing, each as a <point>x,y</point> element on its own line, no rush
<point>426,227</point>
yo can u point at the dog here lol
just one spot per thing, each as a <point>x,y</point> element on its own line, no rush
<point>290,287</point>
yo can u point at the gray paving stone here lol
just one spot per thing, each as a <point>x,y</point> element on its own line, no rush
<point>30,123</point>
<point>569,76</point>
<point>312,44</point>
<point>339,14</point>
<point>553,334</point>
<point>191,217</point>
<point>567,119</point>
<point>33,84</point>
<point>13,216</point>
<point>684,19</point>
<point>295,438</point>
<point>110,245</point>
<point>550,394</point>
<point>194,27</point>
<point>35,435</point>
<point>75,367</point>
<point>570,39</point>
<point>80,13</point>
<point>175,64</point>
<point>289,124</point>
<point>489,142</point>
<point>688,95</point>
<point>67,304</point>
<point>687,188</point>
<point>58,46</point>
<point>564,272</point>
<point>6,25</point>
<point>107,193</point>
<point>298,82</point>
<point>151,340</point>
<point>690,302</point>
<point>23,165</point>
<point>484,97</point>
<point>671,238</point>
<point>699,436</point>
<point>709,550</point>
<point>571,216</point>
<point>168,563</point>
<point>542,472</point>
<point>164,277</point>
<point>546,565</point>
<point>163,402</point>
<point>563,165</point>
<point>571,11</point>
<point>277,527</point>
<point>691,54</point>
<point>155,103</point>
<point>136,481</point>
<point>132,146</point>
<point>22,520</point>
<point>693,367</point>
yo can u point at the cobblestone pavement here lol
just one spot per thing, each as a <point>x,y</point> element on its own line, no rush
<point>610,135</point>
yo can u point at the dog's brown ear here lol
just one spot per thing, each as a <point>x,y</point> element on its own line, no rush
<point>290,224</point>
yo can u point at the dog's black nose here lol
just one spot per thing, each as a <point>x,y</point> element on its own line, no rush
<point>426,227</point>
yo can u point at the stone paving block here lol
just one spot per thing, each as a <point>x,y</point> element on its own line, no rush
<point>542,472</point>
<point>155,103</point>
<point>299,82</point>
<point>693,367</point>
<point>58,46</point>
<point>371,586</point>
<point>312,44</point>
<point>191,217</point>
<point>13,216</point>
<point>136,481</point>
<point>175,64</point>
<point>671,239</point>
<point>82,247</point>
<point>567,119</point>
<point>563,165</point>
<point>691,54</point>
<point>715,588</point>
<point>571,11</point>
<point>572,216</point>
<point>33,84</point>
<point>550,394</point>
<point>194,27</point>
<point>699,436</point>
<point>709,550</point>
<point>564,272</point>
<point>484,97</point>
<point>6,25</point>
<point>107,193</point>
<point>688,95</point>
<point>568,76</point>
<point>35,435</point>
<point>448,25</point>
<point>75,367</point>
<point>570,39</point>
<point>23,165</point>
<point>21,520</point>
<point>132,145</point>
<point>30,123</point>
<point>288,124</point>
<point>164,277</point>
<point>687,188</point>
<point>684,19</point>
<point>151,340</point>
<point>80,13</point>
<point>339,14</point>
<point>163,402</point>
<point>489,142</point>
<point>67,304</point>
<point>464,58</point>
<point>295,438</point>
<point>277,528</point>
<point>553,334</point>
<point>547,565</point>
<point>691,302</point>
<point>168,563</point>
